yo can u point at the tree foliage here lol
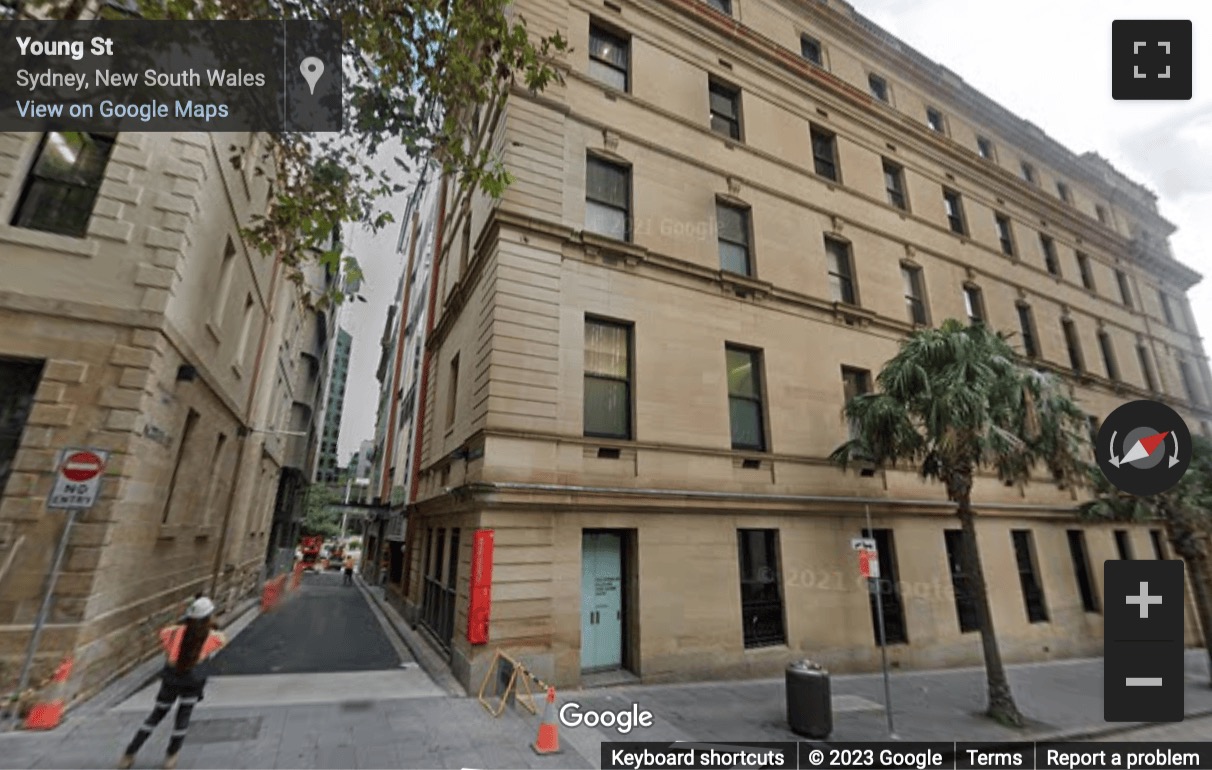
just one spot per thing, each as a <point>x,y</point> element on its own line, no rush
<point>320,516</point>
<point>425,84</point>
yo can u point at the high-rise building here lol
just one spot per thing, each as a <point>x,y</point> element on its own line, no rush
<point>329,471</point>
<point>721,225</point>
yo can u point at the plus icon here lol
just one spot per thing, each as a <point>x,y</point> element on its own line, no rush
<point>1151,60</point>
<point>1144,600</point>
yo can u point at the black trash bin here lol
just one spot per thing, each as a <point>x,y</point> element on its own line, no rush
<point>809,701</point>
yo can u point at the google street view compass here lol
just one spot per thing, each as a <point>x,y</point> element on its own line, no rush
<point>1144,448</point>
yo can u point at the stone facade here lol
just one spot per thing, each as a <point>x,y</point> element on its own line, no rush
<point>858,152</point>
<point>152,326</point>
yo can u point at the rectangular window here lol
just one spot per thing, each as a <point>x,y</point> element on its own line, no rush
<point>824,153</point>
<point>1073,343</point>
<point>1050,261</point>
<point>894,183</point>
<point>915,295</point>
<point>1004,234</point>
<point>609,57</point>
<point>732,223</point>
<point>1189,386</point>
<point>1028,576</point>
<point>761,589</point>
<point>18,382</point>
<point>1108,350</point>
<point>1087,272</point>
<point>810,49</point>
<point>1167,312</point>
<point>607,395</point>
<point>841,271</point>
<point>1123,544</point>
<point>745,413</point>
<point>452,392</point>
<point>1062,190</point>
<point>1026,325</point>
<point>62,185</point>
<point>879,87</point>
<point>855,382</point>
<point>187,431</point>
<point>725,109</point>
<point>895,631</point>
<point>1125,291</point>
<point>1159,548</point>
<point>607,198</point>
<point>1101,213</point>
<point>1029,172</point>
<point>974,304</point>
<point>955,211</point>
<point>226,272</point>
<point>934,119</point>
<point>984,148</point>
<point>1146,368</point>
<point>723,6</point>
<point>965,599</point>
<point>1081,569</point>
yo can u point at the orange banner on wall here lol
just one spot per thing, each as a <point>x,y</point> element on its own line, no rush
<point>480,601</point>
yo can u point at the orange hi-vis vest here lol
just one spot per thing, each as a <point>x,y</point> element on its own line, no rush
<point>172,636</point>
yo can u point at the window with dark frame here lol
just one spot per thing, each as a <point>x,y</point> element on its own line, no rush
<point>1081,569</point>
<point>855,382</point>
<point>1086,271</point>
<point>732,232</point>
<point>888,585</point>
<point>841,271</point>
<point>607,198</point>
<point>1159,548</point>
<point>1146,367</point>
<point>1101,213</point>
<point>915,294</point>
<point>1004,234</point>
<point>1026,325</point>
<point>984,148</point>
<point>452,392</point>
<point>1074,345</point>
<point>1048,246</point>
<point>725,103</point>
<point>1167,312</point>
<point>1125,291</point>
<point>19,380</point>
<point>955,211</point>
<point>974,303</point>
<point>810,49</point>
<point>878,86</point>
<point>894,183</point>
<point>1063,191</point>
<point>62,185</point>
<point>609,57</point>
<point>1029,173</point>
<point>762,618</point>
<point>965,598</point>
<point>1123,545</point>
<point>723,6</point>
<point>1108,350</point>
<point>745,411</point>
<point>934,119</point>
<point>1189,386</point>
<point>1028,576</point>
<point>607,396</point>
<point>824,153</point>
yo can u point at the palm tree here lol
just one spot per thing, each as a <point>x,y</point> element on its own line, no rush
<point>1185,511</point>
<point>952,401</point>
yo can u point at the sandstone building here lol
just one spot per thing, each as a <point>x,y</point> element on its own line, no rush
<point>720,226</point>
<point>136,321</point>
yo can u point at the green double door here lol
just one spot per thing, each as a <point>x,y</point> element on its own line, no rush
<point>601,601</point>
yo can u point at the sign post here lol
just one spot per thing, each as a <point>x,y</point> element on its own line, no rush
<point>77,482</point>
<point>869,567</point>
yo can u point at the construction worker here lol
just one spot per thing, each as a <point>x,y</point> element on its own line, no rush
<point>185,645</point>
<point>349,569</point>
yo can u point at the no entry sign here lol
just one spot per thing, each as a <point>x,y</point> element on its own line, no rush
<point>77,479</point>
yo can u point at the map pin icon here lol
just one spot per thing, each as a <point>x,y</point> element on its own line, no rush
<point>312,68</point>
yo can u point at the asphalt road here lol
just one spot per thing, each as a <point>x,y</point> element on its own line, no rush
<point>324,627</point>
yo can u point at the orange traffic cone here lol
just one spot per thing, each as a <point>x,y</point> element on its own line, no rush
<point>549,730</point>
<point>46,715</point>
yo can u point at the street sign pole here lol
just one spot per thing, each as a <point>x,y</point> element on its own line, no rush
<point>44,610</point>
<point>874,584</point>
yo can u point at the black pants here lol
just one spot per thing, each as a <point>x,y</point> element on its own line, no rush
<point>349,577</point>
<point>173,687</point>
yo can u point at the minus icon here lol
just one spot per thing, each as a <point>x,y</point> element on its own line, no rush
<point>1143,681</point>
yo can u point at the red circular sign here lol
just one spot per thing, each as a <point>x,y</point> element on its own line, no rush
<point>81,466</point>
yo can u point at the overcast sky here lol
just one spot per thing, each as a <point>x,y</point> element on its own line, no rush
<point>1048,61</point>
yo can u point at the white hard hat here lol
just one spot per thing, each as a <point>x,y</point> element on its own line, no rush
<point>201,608</point>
